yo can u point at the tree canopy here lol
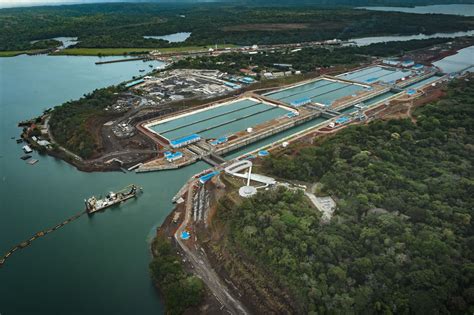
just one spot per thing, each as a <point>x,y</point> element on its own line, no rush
<point>123,25</point>
<point>179,289</point>
<point>401,240</point>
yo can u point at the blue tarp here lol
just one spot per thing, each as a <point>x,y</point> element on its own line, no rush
<point>185,235</point>
<point>263,153</point>
<point>219,141</point>
<point>247,80</point>
<point>233,85</point>
<point>174,156</point>
<point>129,84</point>
<point>205,178</point>
<point>342,120</point>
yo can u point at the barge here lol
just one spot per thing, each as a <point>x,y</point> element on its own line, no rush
<point>94,204</point>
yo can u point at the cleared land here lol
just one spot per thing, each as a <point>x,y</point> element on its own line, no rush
<point>266,27</point>
<point>14,53</point>
<point>124,51</point>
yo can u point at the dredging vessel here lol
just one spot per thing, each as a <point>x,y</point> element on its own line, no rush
<point>94,204</point>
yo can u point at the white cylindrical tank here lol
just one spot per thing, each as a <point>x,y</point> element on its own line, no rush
<point>249,129</point>
<point>285,144</point>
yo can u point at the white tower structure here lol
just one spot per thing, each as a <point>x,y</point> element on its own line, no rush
<point>247,190</point>
<point>248,177</point>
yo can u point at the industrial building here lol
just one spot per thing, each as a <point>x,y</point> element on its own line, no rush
<point>213,131</point>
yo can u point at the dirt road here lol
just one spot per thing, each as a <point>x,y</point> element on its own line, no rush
<point>203,268</point>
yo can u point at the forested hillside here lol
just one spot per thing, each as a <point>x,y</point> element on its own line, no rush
<point>70,123</point>
<point>401,240</point>
<point>125,24</point>
<point>307,59</point>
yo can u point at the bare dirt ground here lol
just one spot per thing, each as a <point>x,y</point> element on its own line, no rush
<point>404,109</point>
<point>266,27</point>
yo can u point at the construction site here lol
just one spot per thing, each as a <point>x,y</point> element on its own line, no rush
<point>212,132</point>
<point>191,222</point>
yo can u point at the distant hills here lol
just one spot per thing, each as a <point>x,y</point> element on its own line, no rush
<point>363,2</point>
<point>317,2</point>
<point>21,3</point>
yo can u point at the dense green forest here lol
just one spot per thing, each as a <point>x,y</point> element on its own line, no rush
<point>180,290</point>
<point>356,3</point>
<point>401,240</point>
<point>47,43</point>
<point>70,123</point>
<point>306,59</point>
<point>124,25</point>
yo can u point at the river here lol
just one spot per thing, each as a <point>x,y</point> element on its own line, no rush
<point>172,38</point>
<point>94,265</point>
<point>455,9</point>
<point>364,41</point>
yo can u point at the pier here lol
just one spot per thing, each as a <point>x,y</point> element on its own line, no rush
<point>121,60</point>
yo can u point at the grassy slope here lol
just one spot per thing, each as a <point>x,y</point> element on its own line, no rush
<point>121,51</point>
<point>14,53</point>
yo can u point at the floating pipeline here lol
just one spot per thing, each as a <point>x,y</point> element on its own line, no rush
<point>38,235</point>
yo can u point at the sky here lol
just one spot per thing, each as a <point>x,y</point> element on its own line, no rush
<point>24,3</point>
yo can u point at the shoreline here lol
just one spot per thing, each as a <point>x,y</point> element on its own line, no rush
<point>115,51</point>
<point>88,165</point>
<point>99,162</point>
<point>196,49</point>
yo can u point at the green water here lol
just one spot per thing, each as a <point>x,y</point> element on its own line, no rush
<point>456,9</point>
<point>422,82</point>
<point>375,74</point>
<point>96,265</point>
<point>222,118</point>
<point>369,102</point>
<point>320,91</point>
<point>396,38</point>
<point>258,144</point>
<point>172,38</point>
